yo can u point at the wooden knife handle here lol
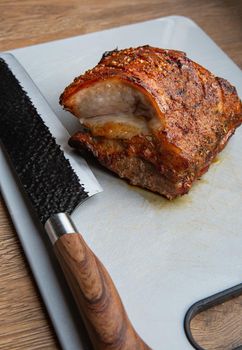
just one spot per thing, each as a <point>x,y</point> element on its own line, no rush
<point>96,296</point>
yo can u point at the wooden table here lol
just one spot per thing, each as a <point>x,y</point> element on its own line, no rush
<point>24,323</point>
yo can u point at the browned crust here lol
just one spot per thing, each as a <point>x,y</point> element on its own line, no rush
<point>136,164</point>
<point>136,160</point>
<point>199,111</point>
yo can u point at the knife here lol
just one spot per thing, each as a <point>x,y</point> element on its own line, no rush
<point>54,190</point>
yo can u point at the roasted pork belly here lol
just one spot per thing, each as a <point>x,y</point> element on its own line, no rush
<point>153,116</point>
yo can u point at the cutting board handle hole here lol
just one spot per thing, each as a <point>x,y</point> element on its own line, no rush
<point>226,332</point>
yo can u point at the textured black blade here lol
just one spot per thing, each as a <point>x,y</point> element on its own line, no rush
<point>45,173</point>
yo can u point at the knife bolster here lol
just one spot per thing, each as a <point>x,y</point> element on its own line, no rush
<point>96,297</point>
<point>98,301</point>
<point>58,225</point>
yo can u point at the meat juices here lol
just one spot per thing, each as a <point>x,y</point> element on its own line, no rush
<point>153,116</point>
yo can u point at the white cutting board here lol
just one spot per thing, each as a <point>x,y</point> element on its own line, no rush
<point>163,256</point>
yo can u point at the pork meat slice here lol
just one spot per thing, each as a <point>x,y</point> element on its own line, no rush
<point>153,116</point>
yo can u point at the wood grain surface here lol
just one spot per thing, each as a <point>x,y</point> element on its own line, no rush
<point>24,323</point>
<point>98,301</point>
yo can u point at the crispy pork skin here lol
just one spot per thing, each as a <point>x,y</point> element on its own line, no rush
<point>153,116</point>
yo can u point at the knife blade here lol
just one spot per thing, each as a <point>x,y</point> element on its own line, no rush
<point>54,191</point>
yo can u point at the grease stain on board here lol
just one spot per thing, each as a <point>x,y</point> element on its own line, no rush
<point>155,200</point>
<point>158,202</point>
<point>217,160</point>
